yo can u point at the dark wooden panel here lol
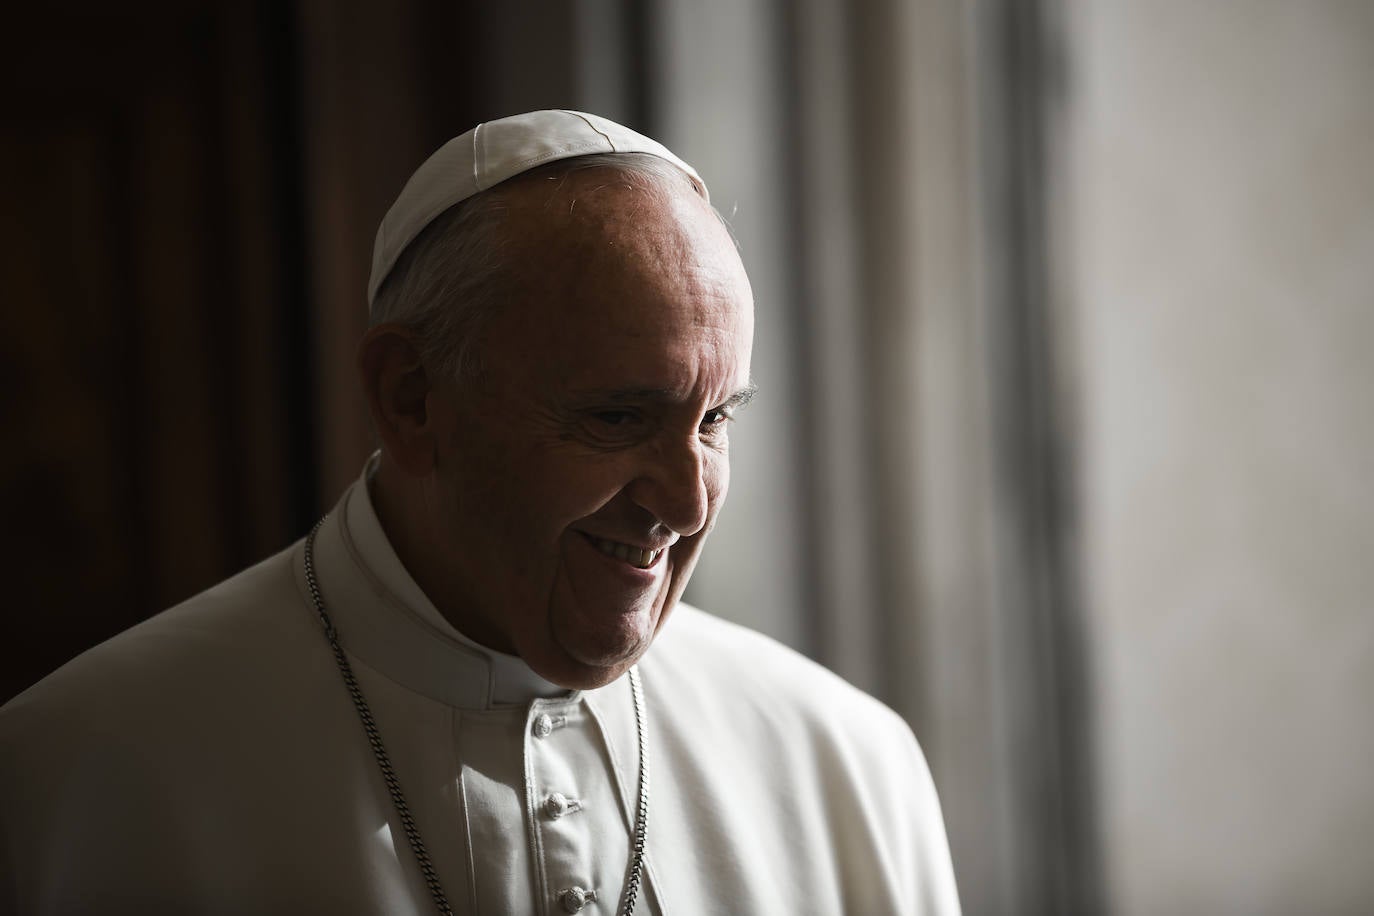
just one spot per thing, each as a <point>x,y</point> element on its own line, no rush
<point>65,469</point>
<point>149,403</point>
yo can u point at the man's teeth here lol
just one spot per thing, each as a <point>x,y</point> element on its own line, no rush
<point>632,555</point>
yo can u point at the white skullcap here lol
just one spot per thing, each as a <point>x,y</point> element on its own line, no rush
<point>489,154</point>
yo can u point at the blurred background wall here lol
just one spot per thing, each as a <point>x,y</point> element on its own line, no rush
<point>1064,335</point>
<point>1221,168</point>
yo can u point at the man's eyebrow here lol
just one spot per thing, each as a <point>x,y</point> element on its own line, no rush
<point>741,397</point>
<point>641,395</point>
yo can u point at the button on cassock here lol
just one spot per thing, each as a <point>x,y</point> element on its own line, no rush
<point>558,804</point>
<point>575,898</point>
<point>543,726</point>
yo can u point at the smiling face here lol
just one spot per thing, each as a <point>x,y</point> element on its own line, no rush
<point>577,477</point>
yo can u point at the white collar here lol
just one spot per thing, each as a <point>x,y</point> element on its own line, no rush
<point>387,621</point>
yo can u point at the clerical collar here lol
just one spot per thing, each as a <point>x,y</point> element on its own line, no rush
<point>511,681</point>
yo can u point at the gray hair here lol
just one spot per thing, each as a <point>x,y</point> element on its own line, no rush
<point>450,279</point>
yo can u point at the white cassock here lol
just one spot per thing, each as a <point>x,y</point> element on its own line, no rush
<point>210,760</point>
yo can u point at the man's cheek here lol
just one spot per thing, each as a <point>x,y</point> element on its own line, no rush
<point>717,486</point>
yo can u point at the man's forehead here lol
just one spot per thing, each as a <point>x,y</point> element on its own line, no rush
<point>586,240</point>
<point>489,154</point>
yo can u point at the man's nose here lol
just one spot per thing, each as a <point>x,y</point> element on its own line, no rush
<point>673,485</point>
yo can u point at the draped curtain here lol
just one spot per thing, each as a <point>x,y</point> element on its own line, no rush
<point>899,506</point>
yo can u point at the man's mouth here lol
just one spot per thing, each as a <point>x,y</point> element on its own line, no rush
<point>635,556</point>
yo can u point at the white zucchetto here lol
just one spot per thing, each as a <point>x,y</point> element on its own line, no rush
<point>490,153</point>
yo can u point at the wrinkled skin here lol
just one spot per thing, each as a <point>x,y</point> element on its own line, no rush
<point>600,417</point>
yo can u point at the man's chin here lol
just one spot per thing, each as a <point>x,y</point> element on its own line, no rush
<point>584,659</point>
<point>595,664</point>
<point>572,673</point>
<point>588,643</point>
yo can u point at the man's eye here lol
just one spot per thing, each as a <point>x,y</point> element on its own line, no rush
<point>615,417</point>
<point>714,421</point>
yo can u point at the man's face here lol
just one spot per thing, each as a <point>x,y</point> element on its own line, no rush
<point>578,476</point>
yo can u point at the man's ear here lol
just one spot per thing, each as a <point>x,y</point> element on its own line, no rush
<point>397,389</point>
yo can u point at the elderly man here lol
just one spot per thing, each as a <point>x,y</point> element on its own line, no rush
<point>445,699</point>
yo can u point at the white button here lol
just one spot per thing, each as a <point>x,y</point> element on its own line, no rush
<point>558,804</point>
<point>543,726</point>
<point>575,898</point>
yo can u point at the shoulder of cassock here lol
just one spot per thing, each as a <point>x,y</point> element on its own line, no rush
<point>752,732</point>
<point>147,731</point>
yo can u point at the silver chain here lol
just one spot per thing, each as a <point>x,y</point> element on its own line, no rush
<point>642,814</point>
<point>393,785</point>
<point>374,737</point>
